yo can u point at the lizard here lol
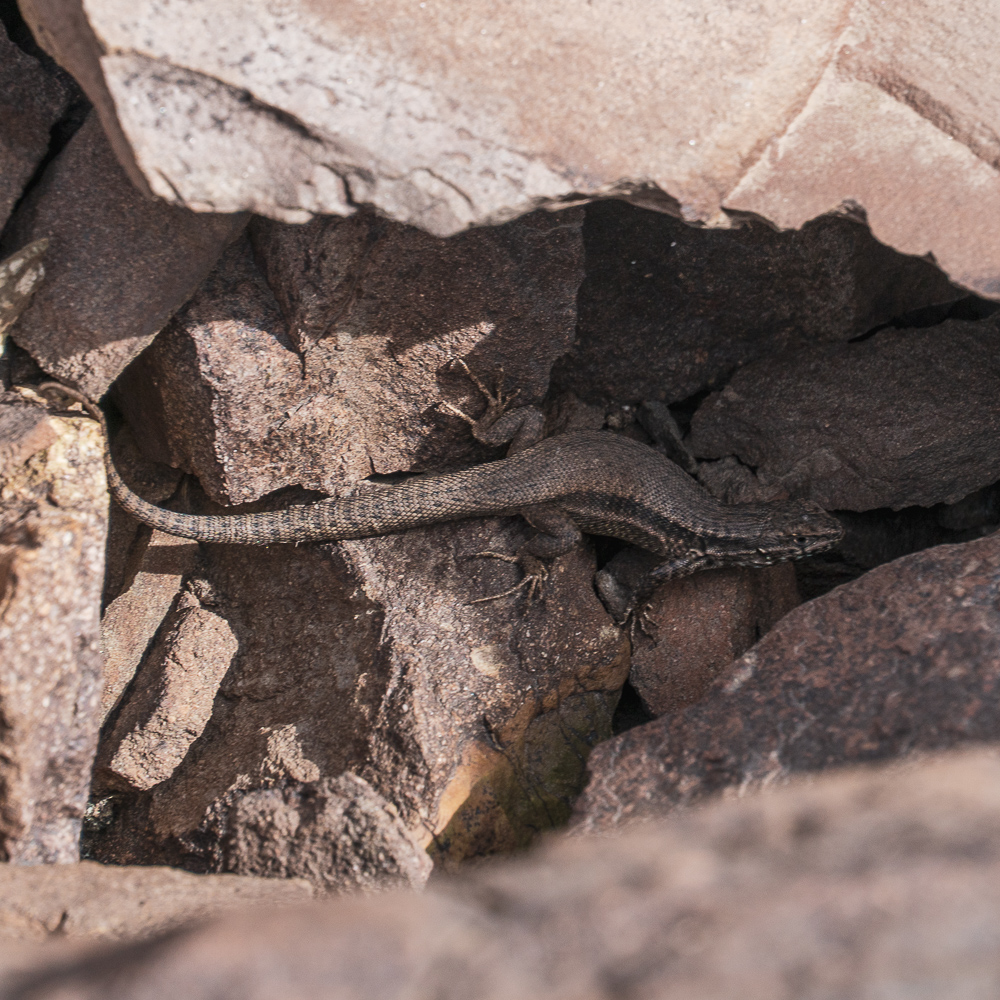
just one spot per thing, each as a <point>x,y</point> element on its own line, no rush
<point>594,481</point>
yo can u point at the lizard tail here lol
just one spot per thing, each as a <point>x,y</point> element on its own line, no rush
<point>150,514</point>
<point>242,529</point>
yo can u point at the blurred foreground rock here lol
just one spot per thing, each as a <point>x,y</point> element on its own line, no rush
<point>88,900</point>
<point>53,522</point>
<point>905,658</point>
<point>880,882</point>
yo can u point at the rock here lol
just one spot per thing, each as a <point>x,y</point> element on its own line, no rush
<point>53,521</point>
<point>903,418</point>
<point>879,882</point>
<point>446,122</point>
<point>699,625</point>
<point>88,900</point>
<point>338,833</point>
<point>31,102</point>
<point>97,309</point>
<point>134,616</point>
<point>20,275</point>
<point>903,659</point>
<point>128,562</point>
<point>171,699</point>
<point>667,310</point>
<point>366,657</point>
<point>226,394</point>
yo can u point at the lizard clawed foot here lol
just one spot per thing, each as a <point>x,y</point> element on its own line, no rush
<point>640,619</point>
<point>497,402</point>
<point>535,575</point>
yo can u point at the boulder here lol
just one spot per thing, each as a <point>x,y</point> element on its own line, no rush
<point>905,658</point>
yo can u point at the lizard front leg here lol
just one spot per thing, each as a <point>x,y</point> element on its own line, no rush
<point>556,535</point>
<point>519,427</point>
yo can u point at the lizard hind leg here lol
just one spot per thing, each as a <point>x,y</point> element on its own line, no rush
<point>557,534</point>
<point>519,427</point>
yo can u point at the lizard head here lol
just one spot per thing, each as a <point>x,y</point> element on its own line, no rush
<point>792,529</point>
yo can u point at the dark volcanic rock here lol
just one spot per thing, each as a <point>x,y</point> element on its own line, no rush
<point>872,883</point>
<point>905,417</point>
<point>375,312</point>
<point>667,310</point>
<point>118,264</point>
<point>905,658</point>
<point>338,833</point>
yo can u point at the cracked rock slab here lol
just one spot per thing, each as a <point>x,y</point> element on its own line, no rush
<point>785,110</point>
<point>904,418</point>
<point>905,658</point>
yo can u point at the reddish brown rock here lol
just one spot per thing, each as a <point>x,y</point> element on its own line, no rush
<point>880,882</point>
<point>134,616</point>
<point>338,833</point>
<point>905,417</point>
<point>170,701</point>
<point>667,310</point>
<point>31,101</point>
<point>366,657</point>
<point>376,311</point>
<point>905,658</point>
<point>698,625</point>
<point>100,306</point>
<point>53,521</point>
<point>785,110</point>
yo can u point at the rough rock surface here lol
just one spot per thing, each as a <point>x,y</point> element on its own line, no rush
<point>88,900</point>
<point>698,625</point>
<point>134,616</point>
<point>170,701</point>
<point>868,883</point>
<point>342,376</point>
<point>53,522</point>
<point>667,310</point>
<point>118,264</point>
<point>366,657</point>
<point>444,121</point>
<point>338,833</point>
<point>31,101</point>
<point>905,658</point>
<point>20,275</point>
<point>903,418</point>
